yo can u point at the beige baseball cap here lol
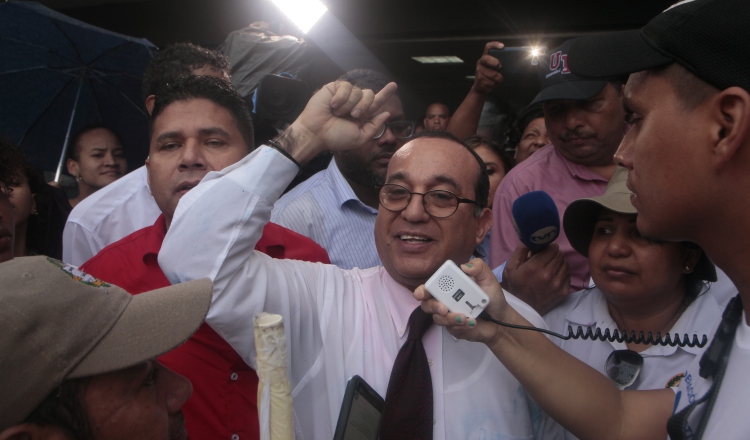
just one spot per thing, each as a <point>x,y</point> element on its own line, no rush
<point>60,323</point>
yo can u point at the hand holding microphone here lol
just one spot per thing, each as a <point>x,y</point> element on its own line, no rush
<point>536,220</point>
<point>537,272</point>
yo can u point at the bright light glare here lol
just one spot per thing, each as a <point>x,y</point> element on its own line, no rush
<point>304,13</point>
<point>535,52</point>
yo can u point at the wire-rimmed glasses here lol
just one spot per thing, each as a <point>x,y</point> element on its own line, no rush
<point>438,203</point>
<point>400,129</point>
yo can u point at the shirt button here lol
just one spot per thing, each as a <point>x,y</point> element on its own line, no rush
<point>400,332</point>
<point>430,362</point>
<point>235,437</point>
<point>234,376</point>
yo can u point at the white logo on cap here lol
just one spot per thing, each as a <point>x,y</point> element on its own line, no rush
<point>558,63</point>
<point>678,4</point>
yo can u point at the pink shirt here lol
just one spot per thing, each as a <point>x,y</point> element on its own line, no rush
<point>565,181</point>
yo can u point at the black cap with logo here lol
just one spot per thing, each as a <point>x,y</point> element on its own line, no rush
<point>558,82</point>
<point>707,37</point>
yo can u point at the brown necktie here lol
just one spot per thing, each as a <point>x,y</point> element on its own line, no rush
<point>408,401</point>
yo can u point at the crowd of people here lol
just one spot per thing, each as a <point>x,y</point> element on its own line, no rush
<point>129,307</point>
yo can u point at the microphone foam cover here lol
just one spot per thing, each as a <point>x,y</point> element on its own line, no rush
<point>536,219</point>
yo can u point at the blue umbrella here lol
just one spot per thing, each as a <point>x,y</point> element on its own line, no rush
<point>59,75</point>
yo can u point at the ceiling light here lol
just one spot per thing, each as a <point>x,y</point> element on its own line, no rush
<point>304,13</point>
<point>447,59</point>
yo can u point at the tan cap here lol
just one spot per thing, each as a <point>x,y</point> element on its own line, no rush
<point>59,323</point>
<point>580,218</point>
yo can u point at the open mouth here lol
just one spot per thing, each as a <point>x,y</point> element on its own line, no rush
<point>414,239</point>
<point>187,186</point>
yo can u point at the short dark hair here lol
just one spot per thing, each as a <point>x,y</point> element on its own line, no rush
<point>482,184</point>
<point>690,89</point>
<point>213,89</point>
<point>65,408</point>
<point>367,79</point>
<point>178,61</point>
<point>11,166</point>
<point>477,141</point>
<point>74,148</point>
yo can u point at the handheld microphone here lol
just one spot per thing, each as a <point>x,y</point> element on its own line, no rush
<point>536,220</point>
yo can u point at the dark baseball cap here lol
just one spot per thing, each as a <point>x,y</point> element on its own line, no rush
<point>558,82</point>
<point>707,37</point>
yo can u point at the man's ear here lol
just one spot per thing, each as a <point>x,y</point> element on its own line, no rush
<point>150,104</point>
<point>732,107</point>
<point>30,431</point>
<point>484,223</point>
<point>72,167</point>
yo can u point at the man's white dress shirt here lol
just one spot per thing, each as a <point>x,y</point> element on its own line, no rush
<point>338,322</point>
<point>114,212</point>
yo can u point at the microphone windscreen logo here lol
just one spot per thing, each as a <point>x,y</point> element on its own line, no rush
<point>544,235</point>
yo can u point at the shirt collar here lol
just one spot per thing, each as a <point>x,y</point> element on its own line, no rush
<point>577,170</point>
<point>696,319</point>
<point>401,302</point>
<point>342,191</point>
<point>154,238</point>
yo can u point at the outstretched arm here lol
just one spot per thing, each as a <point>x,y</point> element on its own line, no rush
<point>465,119</point>
<point>581,399</point>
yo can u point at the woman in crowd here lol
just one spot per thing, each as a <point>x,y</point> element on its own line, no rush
<point>40,211</point>
<point>531,133</point>
<point>640,284</point>
<point>95,159</point>
<point>498,164</point>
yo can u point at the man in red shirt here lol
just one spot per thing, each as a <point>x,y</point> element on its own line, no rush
<point>189,139</point>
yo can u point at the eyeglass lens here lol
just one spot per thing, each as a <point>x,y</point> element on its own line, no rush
<point>623,367</point>
<point>400,129</point>
<point>437,203</point>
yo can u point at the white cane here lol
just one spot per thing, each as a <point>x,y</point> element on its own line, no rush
<point>274,389</point>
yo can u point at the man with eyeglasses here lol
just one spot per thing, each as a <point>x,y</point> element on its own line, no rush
<point>337,206</point>
<point>344,322</point>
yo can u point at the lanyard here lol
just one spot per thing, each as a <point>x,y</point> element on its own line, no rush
<point>713,364</point>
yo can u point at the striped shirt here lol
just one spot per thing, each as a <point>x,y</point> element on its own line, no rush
<point>325,208</point>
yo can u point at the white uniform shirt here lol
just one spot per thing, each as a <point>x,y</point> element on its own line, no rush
<point>114,212</point>
<point>729,418</point>
<point>338,322</point>
<point>663,367</point>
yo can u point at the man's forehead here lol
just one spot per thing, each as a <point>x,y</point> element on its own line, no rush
<point>635,84</point>
<point>193,114</point>
<point>437,108</point>
<point>174,111</point>
<point>437,155</point>
<point>394,107</point>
